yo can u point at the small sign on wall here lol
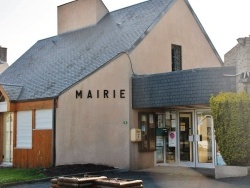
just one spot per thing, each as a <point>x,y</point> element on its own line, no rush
<point>135,135</point>
<point>172,139</point>
<point>125,122</point>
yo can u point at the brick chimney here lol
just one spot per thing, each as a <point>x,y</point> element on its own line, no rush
<point>79,14</point>
<point>3,55</point>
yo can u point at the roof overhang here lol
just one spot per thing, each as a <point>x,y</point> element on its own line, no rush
<point>6,105</point>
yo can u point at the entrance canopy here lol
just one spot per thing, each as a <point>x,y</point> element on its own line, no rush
<point>182,88</point>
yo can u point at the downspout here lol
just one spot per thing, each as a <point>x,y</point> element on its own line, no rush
<point>54,133</point>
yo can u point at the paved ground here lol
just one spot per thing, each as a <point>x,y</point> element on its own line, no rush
<point>170,177</point>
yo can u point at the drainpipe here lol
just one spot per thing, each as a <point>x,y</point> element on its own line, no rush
<point>54,133</point>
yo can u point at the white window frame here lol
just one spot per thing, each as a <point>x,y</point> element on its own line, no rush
<point>44,119</point>
<point>24,130</point>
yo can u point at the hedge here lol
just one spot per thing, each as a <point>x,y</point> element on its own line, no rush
<point>231,113</point>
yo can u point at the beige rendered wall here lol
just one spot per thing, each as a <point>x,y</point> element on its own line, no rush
<point>79,14</point>
<point>93,130</point>
<point>178,26</point>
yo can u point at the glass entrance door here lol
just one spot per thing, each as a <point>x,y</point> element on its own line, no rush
<point>186,139</point>
<point>205,140</point>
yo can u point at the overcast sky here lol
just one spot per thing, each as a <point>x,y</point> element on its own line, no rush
<point>24,22</point>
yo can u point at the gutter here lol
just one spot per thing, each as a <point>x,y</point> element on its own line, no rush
<point>54,132</point>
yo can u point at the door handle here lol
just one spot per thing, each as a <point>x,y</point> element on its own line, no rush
<point>191,138</point>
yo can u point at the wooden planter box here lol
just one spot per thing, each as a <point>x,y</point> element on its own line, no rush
<point>86,181</point>
<point>231,171</point>
<point>116,182</point>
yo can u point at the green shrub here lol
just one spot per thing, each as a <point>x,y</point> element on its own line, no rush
<point>231,113</point>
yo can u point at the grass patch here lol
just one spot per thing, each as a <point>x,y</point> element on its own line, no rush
<point>12,175</point>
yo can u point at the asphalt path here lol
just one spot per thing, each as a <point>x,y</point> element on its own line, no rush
<point>165,180</point>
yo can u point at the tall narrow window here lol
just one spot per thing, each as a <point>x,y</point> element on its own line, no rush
<point>176,58</point>
<point>24,129</point>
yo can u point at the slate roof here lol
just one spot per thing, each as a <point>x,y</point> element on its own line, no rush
<point>182,88</point>
<point>54,64</point>
<point>12,91</point>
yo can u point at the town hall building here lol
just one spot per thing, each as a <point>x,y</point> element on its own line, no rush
<point>128,88</point>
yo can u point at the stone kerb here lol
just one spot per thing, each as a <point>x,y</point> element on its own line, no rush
<point>231,171</point>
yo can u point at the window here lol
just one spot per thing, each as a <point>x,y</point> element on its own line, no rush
<point>147,126</point>
<point>24,129</point>
<point>176,58</point>
<point>44,119</point>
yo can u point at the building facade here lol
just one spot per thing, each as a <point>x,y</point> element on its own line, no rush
<point>129,89</point>
<point>239,57</point>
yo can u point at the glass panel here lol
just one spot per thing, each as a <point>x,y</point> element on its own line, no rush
<point>170,147</point>
<point>8,137</point>
<point>160,139</point>
<point>186,137</point>
<point>159,149</point>
<point>170,137</point>
<point>151,132</point>
<point>147,125</point>
<point>204,144</point>
<point>144,130</point>
<point>160,121</point>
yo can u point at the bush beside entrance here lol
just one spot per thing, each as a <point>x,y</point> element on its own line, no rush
<point>231,113</point>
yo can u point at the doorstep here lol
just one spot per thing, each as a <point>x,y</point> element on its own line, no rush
<point>6,165</point>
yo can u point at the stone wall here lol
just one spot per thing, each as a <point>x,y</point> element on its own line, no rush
<point>239,56</point>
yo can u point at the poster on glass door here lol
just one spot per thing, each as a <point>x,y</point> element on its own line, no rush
<point>172,139</point>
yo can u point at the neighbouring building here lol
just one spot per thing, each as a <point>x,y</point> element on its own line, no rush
<point>239,56</point>
<point>3,59</point>
<point>128,88</point>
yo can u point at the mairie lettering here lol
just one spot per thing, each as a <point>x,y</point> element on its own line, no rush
<point>105,94</point>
